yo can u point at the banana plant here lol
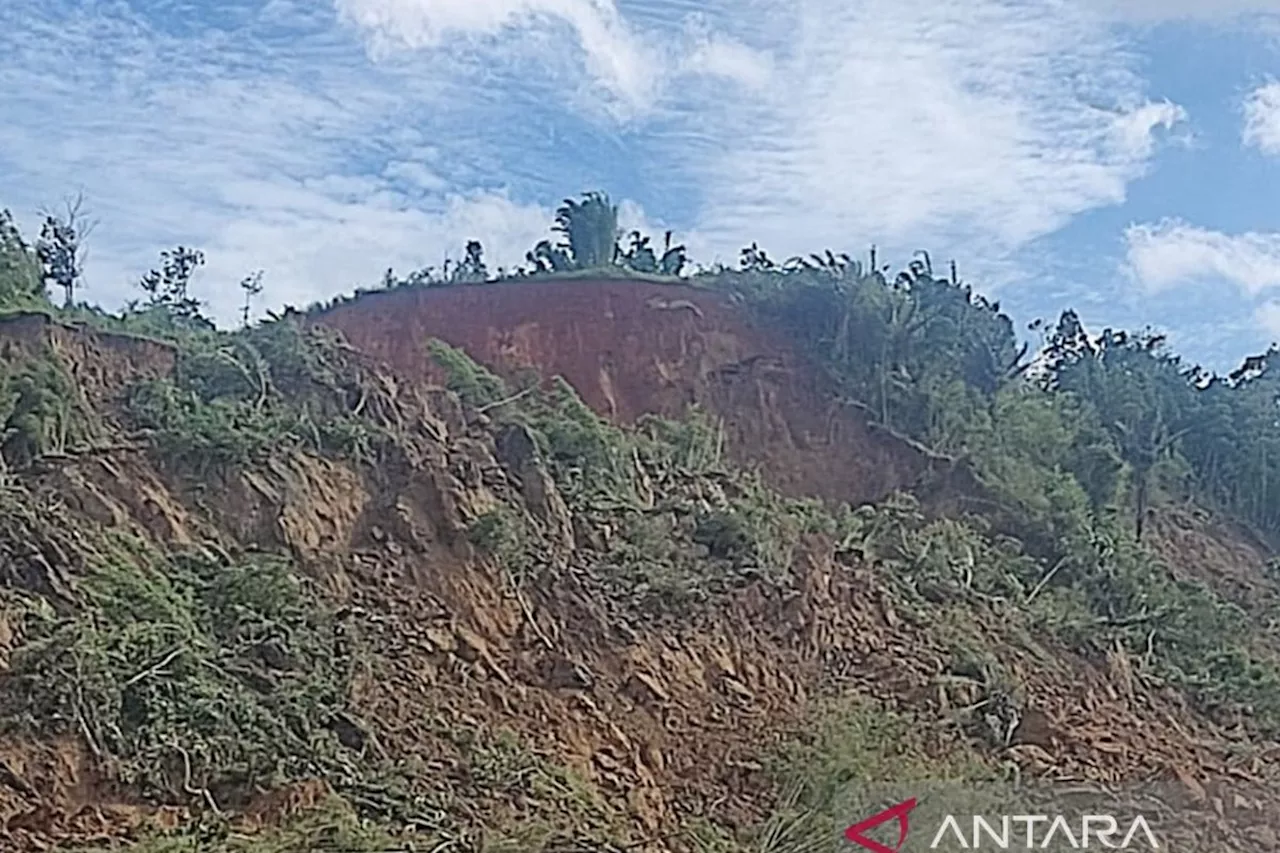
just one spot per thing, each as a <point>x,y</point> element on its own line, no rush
<point>547,258</point>
<point>640,256</point>
<point>755,259</point>
<point>673,258</point>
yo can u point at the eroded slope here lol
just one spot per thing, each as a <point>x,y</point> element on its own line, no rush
<point>516,628</point>
<point>632,348</point>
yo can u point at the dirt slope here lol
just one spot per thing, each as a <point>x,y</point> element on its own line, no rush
<point>661,719</point>
<point>634,348</point>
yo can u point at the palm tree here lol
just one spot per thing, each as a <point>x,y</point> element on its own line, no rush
<point>590,229</point>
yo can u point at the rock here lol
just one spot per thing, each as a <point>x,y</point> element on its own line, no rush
<point>544,501</point>
<point>1031,757</point>
<point>471,646</point>
<point>737,688</point>
<point>887,610</point>
<point>349,733</point>
<point>442,639</point>
<point>569,674</point>
<point>1034,728</point>
<point>587,536</point>
<point>276,656</point>
<point>1194,788</point>
<point>517,450</point>
<point>474,418</point>
<point>653,756</point>
<point>447,408</point>
<point>7,636</point>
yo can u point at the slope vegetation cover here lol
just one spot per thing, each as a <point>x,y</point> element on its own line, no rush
<point>261,592</point>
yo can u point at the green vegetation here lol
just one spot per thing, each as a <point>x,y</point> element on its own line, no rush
<point>852,750</point>
<point>1072,450</point>
<point>173,659</point>
<point>331,826</point>
<point>687,526</point>
<point>236,397</point>
<point>195,676</point>
<point>21,285</point>
<point>40,412</point>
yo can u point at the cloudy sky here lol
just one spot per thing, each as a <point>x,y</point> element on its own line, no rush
<point>1118,156</point>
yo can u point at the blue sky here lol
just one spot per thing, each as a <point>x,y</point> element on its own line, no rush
<point>1117,156</point>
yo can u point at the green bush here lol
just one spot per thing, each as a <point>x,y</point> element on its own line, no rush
<point>187,674</point>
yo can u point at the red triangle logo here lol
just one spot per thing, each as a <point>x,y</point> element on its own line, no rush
<point>900,811</point>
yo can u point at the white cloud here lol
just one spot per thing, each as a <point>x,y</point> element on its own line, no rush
<point>716,55</point>
<point>1268,317</point>
<point>1173,253</point>
<point>632,217</point>
<point>415,174</point>
<point>349,244</point>
<point>615,55</point>
<point>1134,128</point>
<point>271,140</point>
<point>287,163</point>
<point>888,122</point>
<point>631,65</point>
<point>1262,118</point>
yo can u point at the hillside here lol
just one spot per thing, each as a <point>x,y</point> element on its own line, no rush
<point>666,579</point>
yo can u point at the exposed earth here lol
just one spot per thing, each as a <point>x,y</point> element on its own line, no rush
<point>566,689</point>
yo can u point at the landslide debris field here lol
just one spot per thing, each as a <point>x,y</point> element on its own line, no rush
<point>605,555</point>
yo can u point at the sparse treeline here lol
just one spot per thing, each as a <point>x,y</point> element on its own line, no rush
<point>589,239</point>
<point>1087,426</point>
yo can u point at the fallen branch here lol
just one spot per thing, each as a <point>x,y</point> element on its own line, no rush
<point>153,670</point>
<point>186,780</point>
<point>496,403</point>
<point>1127,621</point>
<point>528,614</point>
<point>1045,580</point>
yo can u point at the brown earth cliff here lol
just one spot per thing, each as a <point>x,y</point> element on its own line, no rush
<point>636,348</point>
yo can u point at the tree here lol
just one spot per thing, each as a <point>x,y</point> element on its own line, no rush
<point>755,259</point>
<point>641,257</point>
<point>1143,393</point>
<point>590,230</point>
<point>548,258</point>
<point>252,286</point>
<point>61,250</point>
<point>168,288</point>
<point>472,267</point>
<point>21,282</point>
<point>673,258</point>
